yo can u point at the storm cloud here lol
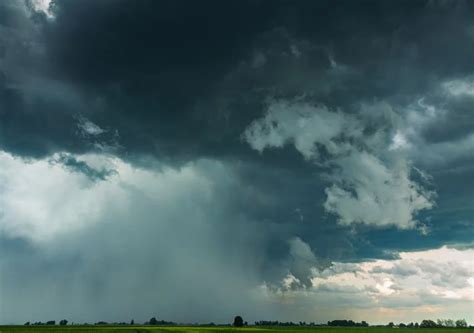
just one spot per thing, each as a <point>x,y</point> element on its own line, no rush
<point>195,160</point>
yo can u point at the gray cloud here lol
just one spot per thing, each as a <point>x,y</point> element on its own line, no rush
<point>400,270</point>
<point>369,186</point>
<point>302,263</point>
<point>158,93</point>
<point>151,241</point>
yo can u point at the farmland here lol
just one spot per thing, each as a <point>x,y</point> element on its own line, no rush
<point>201,329</point>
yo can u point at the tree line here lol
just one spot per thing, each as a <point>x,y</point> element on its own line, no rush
<point>239,322</point>
<point>343,323</point>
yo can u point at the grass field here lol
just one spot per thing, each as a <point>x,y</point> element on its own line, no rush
<point>195,329</point>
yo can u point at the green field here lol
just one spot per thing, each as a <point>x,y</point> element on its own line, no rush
<point>196,329</point>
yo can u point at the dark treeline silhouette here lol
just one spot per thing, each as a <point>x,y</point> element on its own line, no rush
<point>39,323</point>
<point>239,322</point>
<point>427,323</point>
<point>114,323</point>
<point>342,323</point>
<point>284,323</point>
<point>154,321</point>
<point>347,323</point>
<point>444,323</point>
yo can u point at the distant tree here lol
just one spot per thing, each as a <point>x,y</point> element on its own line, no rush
<point>402,325</point>
<point>51,322</point>
<point>63,322</point>
<point>449,323</point>
<point>208,324</point>
<point>428,324</point>
<point>390,324</point>
<point>238,321</point>
<point>132,322</point>
<point>347,323</point>
<point>461,323</point>
<point>153,321</point>
<point>417,325</point>
<point>27,323</point>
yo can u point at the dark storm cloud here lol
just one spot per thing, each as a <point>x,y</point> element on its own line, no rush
<point>182,80</point>
<point>158,71</point>
<point>177,81</point>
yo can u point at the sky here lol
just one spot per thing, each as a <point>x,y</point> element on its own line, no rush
<point>197,160</point>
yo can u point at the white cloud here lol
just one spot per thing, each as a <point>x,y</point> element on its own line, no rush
<point>43,6</point>
<point>87,127</point>
<point>365,190</point>
<point>399,141</point>
<point>384,288</point>
<point>301,124</point>
<point>405,289</point>
<point>103,140</point>
<point>371,181</point>
<point>41,200</point>
<point>414,276</point>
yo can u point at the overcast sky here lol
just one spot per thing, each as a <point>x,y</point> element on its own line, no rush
<point>195,160</point>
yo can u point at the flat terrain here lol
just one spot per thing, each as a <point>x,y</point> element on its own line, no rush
<point>195,329</point>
